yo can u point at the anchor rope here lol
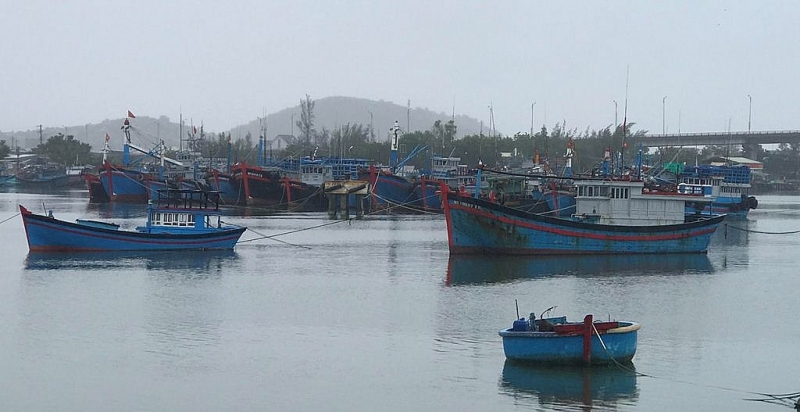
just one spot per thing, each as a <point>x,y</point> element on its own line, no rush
<point>6,220</point>
<point>761,231</point>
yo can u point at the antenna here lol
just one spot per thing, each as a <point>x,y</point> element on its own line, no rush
<point>624,121</point>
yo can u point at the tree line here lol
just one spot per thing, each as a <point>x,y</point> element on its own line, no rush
<point>356,140</point>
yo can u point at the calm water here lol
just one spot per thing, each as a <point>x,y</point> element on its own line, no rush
<point>375,315</point>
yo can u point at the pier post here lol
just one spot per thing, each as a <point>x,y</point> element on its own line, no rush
<point>587,339</point>
<point>332,203</point>
<point>345,209</point>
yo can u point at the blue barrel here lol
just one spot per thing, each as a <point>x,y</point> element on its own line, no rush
<point>521,325</point>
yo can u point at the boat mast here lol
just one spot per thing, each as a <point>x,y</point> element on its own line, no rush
<point>126,150</point>
<point>624,123</point>
<point>393,150</point>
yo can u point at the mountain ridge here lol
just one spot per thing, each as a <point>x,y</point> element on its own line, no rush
<point>329,113</point>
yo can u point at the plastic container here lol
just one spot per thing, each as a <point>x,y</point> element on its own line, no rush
<point>521,325</point>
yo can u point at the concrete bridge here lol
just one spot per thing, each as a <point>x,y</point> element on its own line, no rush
<point>748,140</point>
<point>721,139</point>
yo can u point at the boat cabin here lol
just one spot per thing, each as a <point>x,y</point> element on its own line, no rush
<point>183,210</point>
<point>623,202</point>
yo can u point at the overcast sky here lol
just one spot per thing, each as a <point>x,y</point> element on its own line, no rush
<point>226,63</point>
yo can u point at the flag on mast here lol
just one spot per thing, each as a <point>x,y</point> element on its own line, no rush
<point>107,137</point>
<point>131,115</point>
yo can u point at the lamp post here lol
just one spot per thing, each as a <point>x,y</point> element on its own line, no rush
<point>749,112</point>
<point>371,134</point>
<point>615,114</point>
<point>292,129</point>
<point>532,104</point>
<point>663,115</point>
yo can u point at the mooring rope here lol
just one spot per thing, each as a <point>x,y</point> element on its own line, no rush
<point>6,220</point>
<point>762,232</point>
<point>782,399</point>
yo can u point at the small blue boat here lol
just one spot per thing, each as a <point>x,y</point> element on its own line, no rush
<point>181,220</point>
<point>554,340</point>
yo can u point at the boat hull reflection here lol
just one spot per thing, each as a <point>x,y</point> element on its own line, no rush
<point>87,261</point>
<point>576,386</point>
<point>490,269</point>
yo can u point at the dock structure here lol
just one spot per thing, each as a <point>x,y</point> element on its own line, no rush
<point>341,193</point>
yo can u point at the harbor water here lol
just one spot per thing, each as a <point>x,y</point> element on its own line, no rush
<point>374,314</point>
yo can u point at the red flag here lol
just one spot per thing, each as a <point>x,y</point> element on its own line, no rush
<point>107,137</point>
<point>194,130</point>
<point>131,115</point>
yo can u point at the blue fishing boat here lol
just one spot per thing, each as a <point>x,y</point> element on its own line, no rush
<point>612,217</point>
<point>392,189</point>
<point>554,340</point>
<point>180,220</point>
<point>727,186</point>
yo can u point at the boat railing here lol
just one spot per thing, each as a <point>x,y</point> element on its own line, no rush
<point>190,199</point>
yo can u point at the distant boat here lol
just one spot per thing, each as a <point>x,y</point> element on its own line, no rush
<point>612,216</point>
<point>554,340</point>
<point>43,175</point>
<point>727,186</point>
<point>270,187</point>
<point>181,220</point>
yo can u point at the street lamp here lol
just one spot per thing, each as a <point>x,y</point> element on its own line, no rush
<point>292,125</point>
<point>532,104</point>
<point>615,114</point>
<point>663,115</point>
<point>371,134</point>
<point>749,113</point>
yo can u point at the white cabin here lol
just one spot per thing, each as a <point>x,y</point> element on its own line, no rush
<point>626,203</point>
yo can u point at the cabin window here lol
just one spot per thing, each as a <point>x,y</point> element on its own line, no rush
<point>591,191</point>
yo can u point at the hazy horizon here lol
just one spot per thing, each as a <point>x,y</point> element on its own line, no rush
<point>720,64</point>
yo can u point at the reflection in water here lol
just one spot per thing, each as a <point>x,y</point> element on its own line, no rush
<point>196,260</point>
<point>489,269</point>
<point>578,387</point>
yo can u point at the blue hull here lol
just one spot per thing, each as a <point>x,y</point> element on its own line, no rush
<point>392,190</point>
<point>227,188</point>
<point>46,234</point>
<point>428,197</point>
<point>128,185</point>
<point>549,347</point>
<point>476,226</point>
<point>734,208</point>
<point>560,204</point>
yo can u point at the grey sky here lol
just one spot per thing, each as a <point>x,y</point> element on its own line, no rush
<point>226,63</point>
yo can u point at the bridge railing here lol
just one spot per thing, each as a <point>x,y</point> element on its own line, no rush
<point>767,132</point>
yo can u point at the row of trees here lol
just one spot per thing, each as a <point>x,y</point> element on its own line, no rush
<point>354,140</point>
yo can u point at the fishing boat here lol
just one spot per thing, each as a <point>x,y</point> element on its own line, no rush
<point>555,340</point>
<point>612,217</point>
<point>43,175</point>
<point>728,186</point>
<point>179,220</point>
<point>392,189</point>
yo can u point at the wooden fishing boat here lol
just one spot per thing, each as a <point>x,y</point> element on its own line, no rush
<point>554,340</point>
<point>180,220</point>
<point>612,217</point>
